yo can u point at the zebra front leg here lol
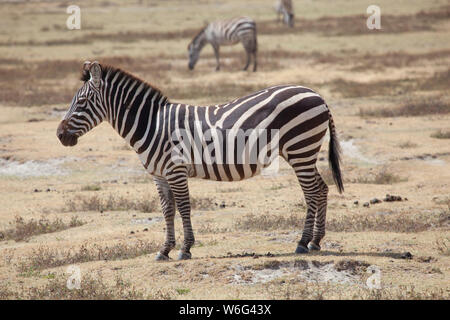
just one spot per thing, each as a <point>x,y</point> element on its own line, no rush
<point>217,54</point>
<point>168,208</point>
<point>319,223</point>
<point>179,186</point>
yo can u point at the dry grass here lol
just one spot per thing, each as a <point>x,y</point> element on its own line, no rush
<point>403,223</point>
<point>202,203</point>
<point>395,59</point>
<point>259,222</point>
<point>91,288</point>
<point>45,257</point>
<point>441,134</point>
<point>355,89</point>
<point>382,177</point>
<point>293,290</point>
<point>22,230</point>
<point>111,203</point>
<point>91,187</point>
<point>401,293</point>
<point>384,66</point>
<point>438,81</point>
<point>407,145</point>
<point>325,26</point>
<point>38,83</point>
<point>443,246</point>
<point>351,25</point>
<point>413,107</point>
<point>122,203</point>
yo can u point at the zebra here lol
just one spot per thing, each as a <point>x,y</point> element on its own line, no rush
<point>225,32</point>
<point>147,120</point>
<point>284,8</point>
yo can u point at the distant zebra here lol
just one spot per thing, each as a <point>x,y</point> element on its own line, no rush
<point>150,123</point>
<point>284,8</point>
<point>225,32</point>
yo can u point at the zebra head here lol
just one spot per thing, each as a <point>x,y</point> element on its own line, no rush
<point>195,47</point>
<point>194,53</point>
<point>86,110</point>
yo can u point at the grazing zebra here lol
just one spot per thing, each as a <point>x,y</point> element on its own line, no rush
<point>225,32</point>
<point>296,117</point>
<point>284,8</point>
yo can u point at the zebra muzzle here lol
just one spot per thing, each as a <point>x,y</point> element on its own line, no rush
<point>67,139</point>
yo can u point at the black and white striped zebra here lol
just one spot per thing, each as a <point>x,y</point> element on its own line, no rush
<point>285,9</point>
<point>150,123</point>
<point>226,32</point>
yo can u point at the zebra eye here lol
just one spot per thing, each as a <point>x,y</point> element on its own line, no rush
<point>81,101</point>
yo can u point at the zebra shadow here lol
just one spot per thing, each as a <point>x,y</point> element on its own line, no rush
<point>253,255</point>
<point>392,255</point>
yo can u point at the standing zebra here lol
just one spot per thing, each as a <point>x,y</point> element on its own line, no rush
<point>225,32</point>
<point>284,8</point>
<point>150,123</point>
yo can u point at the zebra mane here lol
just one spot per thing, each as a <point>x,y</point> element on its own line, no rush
<point>85,76</point>
<point>197,36</point>
<point>107,69</point>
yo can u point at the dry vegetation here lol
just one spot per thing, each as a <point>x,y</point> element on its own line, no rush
<point>388,222</point>
<point>45,257</point>
<point>91,288</point>
<point>111,203</point>
<point>381,177</point>
<point>387,90</point>
<point>22,230</point>
<point>419,106</point>
<point>441,134</point>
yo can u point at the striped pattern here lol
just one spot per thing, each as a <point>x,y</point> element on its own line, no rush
<point>285,9</point>
<point>147,120</point>
<point>226,32</point>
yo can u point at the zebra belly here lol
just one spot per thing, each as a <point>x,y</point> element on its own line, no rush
<point>229,42</point>
<point>224,172</point>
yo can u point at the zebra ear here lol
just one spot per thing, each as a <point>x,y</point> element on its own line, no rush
<point>96,73</point>
<point>86,65</point>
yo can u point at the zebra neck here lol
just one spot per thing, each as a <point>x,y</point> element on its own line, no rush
<point>201,40</point>
<point>132,117</point>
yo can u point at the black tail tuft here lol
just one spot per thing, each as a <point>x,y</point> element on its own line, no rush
<point>334,155</point>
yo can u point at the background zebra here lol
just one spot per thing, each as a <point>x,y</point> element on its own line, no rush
<point>146,119</point>
<point>225,32</point>
<point>284,8</point>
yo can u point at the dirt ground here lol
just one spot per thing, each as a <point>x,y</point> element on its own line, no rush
<point>94,207</point>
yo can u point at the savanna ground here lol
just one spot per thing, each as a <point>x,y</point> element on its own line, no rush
<point>93,206</point>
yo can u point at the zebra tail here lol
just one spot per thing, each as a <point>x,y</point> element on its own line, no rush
<point>334,155</point>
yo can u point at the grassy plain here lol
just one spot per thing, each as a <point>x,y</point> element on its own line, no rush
<point>94,206</point>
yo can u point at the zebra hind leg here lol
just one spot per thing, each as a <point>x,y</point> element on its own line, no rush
<point>310,187</point>
<point>248,61</point>
<point>168,208</point>
<point>249,44</point>
<point>319,223</point>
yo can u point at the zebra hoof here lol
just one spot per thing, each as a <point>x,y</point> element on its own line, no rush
<point>313,247</point>
<point>301,249</point>
<point>184,255</point>
<point>161,257</point>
